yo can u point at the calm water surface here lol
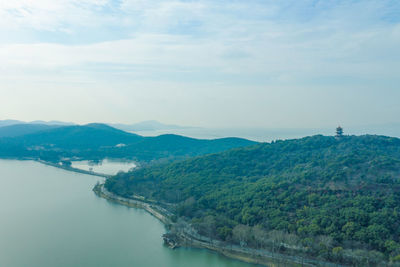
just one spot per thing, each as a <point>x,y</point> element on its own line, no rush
<point>51,217</point>
<point>105,166</point>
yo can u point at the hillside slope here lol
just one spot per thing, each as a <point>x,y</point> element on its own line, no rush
<point>79,137</point>
<point>23,129</point>
<point>170,146</point>
<point>97,141</point>
<point>329,198</point>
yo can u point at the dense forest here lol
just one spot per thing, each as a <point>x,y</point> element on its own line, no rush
<point>97,141</point>
<point>336,199</point>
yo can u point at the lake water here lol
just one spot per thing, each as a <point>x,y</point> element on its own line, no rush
<point>260,135</point>
<point>50,217</point>
<point>105,166</point>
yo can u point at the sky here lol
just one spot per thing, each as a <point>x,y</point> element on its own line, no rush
<point>216,63</point>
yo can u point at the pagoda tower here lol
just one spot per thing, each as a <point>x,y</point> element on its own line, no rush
<point>339,132</point>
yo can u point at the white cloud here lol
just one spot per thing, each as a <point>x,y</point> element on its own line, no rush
<point>279,52</point>
<point>50,15</point>
<point>186,44</point>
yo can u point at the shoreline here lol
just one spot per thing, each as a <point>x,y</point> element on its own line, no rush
<point>188,238</point>
<point>193,240</point>
<point>72,169</point>
<point>100,191</point>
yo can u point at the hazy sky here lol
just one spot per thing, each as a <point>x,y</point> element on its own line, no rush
<point>203,63</point>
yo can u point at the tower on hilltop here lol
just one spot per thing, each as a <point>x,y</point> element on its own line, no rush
<point>339,132</point>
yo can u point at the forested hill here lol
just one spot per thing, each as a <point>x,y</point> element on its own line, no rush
<point>23,129</point>
<point>97,141</point>
<point>337,199</point>
<point>90,136</point>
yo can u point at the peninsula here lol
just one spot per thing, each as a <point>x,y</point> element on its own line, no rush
<point>319,198</point>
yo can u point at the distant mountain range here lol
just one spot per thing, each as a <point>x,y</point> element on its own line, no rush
<point>150,125</point>
<point>14,122</point>
<point>155,128</point>
<point>96,141</point>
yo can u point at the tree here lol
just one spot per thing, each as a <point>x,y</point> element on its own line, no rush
<point>337,252</point>
<point>241,233</point>
<point>260,236</point>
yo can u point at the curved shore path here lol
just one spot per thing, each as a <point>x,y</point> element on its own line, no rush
<point>190,238</point>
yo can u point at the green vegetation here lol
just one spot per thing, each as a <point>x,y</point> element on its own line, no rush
<point>329,198</point>
<point>23,129</point>
<point>98,141</point>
